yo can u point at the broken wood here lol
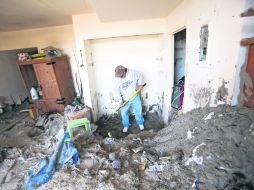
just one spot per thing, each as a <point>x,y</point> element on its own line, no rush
<point>247,41</point>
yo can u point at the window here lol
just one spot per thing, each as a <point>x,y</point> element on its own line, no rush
<point>203,42</point>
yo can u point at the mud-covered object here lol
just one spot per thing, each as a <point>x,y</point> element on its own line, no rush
<point>69,154</point>
<point>116,165</point>
<point>227,150</point>
<point>65,153</point>
<point>112,156</point>
<point>24,57</point>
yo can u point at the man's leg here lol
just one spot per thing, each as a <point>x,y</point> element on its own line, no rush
<point>125,116</point>
<point>137,110</point>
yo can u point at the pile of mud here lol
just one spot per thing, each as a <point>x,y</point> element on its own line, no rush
<point>210,148</point>
<point>113,124</point>
<point>214,149</point>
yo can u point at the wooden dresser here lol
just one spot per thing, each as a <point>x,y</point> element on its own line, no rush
<point>53,76</point>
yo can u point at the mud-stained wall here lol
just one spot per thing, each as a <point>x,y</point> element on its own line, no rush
<point>141,53</point>
<point>208,83</point>
<point>246,86</point>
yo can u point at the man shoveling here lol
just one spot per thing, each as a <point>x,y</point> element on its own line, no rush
<point>128,84</point>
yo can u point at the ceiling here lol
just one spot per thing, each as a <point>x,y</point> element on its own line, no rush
<point>115,10</point>
<point>28,14</point>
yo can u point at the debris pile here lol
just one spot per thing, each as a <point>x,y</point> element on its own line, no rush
<point>193,152</point>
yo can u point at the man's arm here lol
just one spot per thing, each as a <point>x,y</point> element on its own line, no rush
<point>118,96</point>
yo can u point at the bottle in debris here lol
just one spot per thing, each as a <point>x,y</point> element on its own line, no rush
<point>34,94</point>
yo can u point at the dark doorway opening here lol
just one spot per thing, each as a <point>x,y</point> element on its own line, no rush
<point>179,69</point>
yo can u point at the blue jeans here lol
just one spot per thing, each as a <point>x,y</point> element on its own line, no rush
<point>136,106</point>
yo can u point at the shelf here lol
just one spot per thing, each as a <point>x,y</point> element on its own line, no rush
<point>41,60</point>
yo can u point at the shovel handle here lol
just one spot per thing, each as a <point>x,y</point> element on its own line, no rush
<point>130,97</point>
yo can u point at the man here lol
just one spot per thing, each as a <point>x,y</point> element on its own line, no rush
<point>126,83</point>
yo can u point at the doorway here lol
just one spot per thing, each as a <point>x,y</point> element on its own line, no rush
<point>179,69</point>
<point>134,52</point>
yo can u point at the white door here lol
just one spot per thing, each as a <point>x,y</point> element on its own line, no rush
<point>141,53</point>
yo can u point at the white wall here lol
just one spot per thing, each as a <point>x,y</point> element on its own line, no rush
<point>61,37</point>
<point>11,83</point>
<point>203,79</point>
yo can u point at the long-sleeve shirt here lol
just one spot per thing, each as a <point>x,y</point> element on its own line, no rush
<point>124,87</point>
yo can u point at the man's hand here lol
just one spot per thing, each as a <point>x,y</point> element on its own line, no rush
<point>140,87</point>
<point>121,104</point>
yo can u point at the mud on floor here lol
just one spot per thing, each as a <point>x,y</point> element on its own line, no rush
<point>113,124</point>
<point>209,148</point>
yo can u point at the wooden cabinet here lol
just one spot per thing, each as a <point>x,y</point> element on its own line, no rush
<point>54,77</point>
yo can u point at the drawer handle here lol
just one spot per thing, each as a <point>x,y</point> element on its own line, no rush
<point>51,63</point>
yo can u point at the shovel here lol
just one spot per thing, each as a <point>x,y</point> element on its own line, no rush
<point>129,98</point>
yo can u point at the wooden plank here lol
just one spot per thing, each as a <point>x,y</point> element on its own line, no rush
<point>247,91</point>
<point>247,41</point>
<point>47,79</point>
<point>9,126</point>
<point>64,80</point>
<point>248,12</point>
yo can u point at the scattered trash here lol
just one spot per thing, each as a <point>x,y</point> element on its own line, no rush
<point>101,186</point>
<point>252,129</point>
<point>189,135</point>
<point>137,141</point>
<point>110,135</point>
<point>222,168</point>
<point>112,156</point>
<point>78,112</point>
<point>209,116</point>
<point>155,168</point>
<point>136,150</point>
<point>109,140</point>
<point>34,94</point>
<point>195,158</point>
<point>142,165</point>
<point>69,154</point>
<point>87,173</point>
<point>220,115</point>
<point>196,184</point>
<point>24,57</point>
<point>43,171</point>
<point>116,165</point>
<point>103,174</point>
<point>209,157</point>
<point>168,147</point>
<point>165,158</point>
<point>2,100</point>
<point>51,51</point>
